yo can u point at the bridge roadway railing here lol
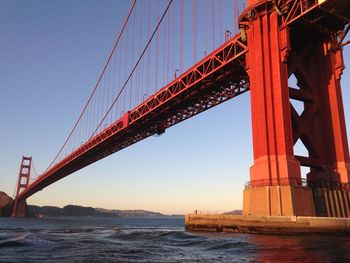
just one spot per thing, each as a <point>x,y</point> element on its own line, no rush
<point>323,184</point>
<point>217,78</point>
<point>213,212</point>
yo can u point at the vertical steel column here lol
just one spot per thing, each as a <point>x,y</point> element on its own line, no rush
<point>275,174</point>
<point>341,146</point>
<point>274,160</point>
<point>318,66</point>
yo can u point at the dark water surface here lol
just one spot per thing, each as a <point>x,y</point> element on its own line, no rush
<point>154,240</point>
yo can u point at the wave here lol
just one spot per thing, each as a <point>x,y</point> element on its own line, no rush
<point>11,243</point>
<point>14,241</point>
<point>181,235</point>
<point>156,237</point>
<point>130,236</point>
<point>229,245</point>
<point>83,230</point>
<point>25,240</point>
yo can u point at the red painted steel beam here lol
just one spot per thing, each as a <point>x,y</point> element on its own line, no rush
<point>218,77</point>
<point>325,12</point>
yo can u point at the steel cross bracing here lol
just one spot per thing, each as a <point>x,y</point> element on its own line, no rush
<point>317,13</point>
<point>217,78</point>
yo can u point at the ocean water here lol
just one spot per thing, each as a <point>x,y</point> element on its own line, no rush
<point>154,240</point>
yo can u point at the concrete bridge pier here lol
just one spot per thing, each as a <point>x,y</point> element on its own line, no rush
<point>20,209</point>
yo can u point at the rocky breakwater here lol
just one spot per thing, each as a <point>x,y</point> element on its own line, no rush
<point>6,205</point>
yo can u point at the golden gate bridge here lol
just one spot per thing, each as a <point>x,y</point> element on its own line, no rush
<point>147,86</point>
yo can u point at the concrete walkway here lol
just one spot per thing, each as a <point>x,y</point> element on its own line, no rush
<point>267,224</point>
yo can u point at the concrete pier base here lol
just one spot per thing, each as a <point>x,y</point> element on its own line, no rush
<point>284,200</point>
<point>267,224</point>
<point>290,200</point>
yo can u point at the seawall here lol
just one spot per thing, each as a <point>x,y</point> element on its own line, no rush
<point>267,224</point>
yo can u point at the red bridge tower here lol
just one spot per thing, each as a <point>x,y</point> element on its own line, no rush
<point>301,39</point>
<point>19,207</point>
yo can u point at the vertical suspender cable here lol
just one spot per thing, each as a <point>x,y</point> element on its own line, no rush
<point>220,22</point>
<point>126,63</point>
<point>164,50</point>
<point>157,48</point>
<point>235,16</point>
<point>113,83</point>
<point>213,24</point>
<point>140,72</point>
<point>194,29</point>
<point>132,57</point>
<point>149,50</point>
<point>168,48</point>
<point>119,79</point>
<point>182,33</point>
<point>173,43</point>
<point>206,26</point>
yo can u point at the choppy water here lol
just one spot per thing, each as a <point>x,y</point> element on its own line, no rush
<point>154,240</point>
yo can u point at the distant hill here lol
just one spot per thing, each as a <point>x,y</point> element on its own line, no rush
<point>75,210</point>
<point>69,210</point>
<point>129,213</point>
<point>6,204</point>
<point>6,207</point>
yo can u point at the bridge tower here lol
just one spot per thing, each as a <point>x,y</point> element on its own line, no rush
<point>283,46</point>
<point>19,208</point>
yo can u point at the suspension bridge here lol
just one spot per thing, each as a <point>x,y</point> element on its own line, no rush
<point>147,86</point>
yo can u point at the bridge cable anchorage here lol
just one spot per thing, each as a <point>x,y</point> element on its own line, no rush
<point>134,68</point>
<point>96,85</point>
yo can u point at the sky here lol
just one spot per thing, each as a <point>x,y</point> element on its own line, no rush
<point>51,54</point>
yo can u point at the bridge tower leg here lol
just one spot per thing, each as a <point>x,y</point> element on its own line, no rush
<point>19,207</point>
<point>277,52</point>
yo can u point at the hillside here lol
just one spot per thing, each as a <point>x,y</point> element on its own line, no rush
<point>75,210</point>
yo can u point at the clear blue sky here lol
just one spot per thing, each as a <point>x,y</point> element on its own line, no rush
<point>51,53</point>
